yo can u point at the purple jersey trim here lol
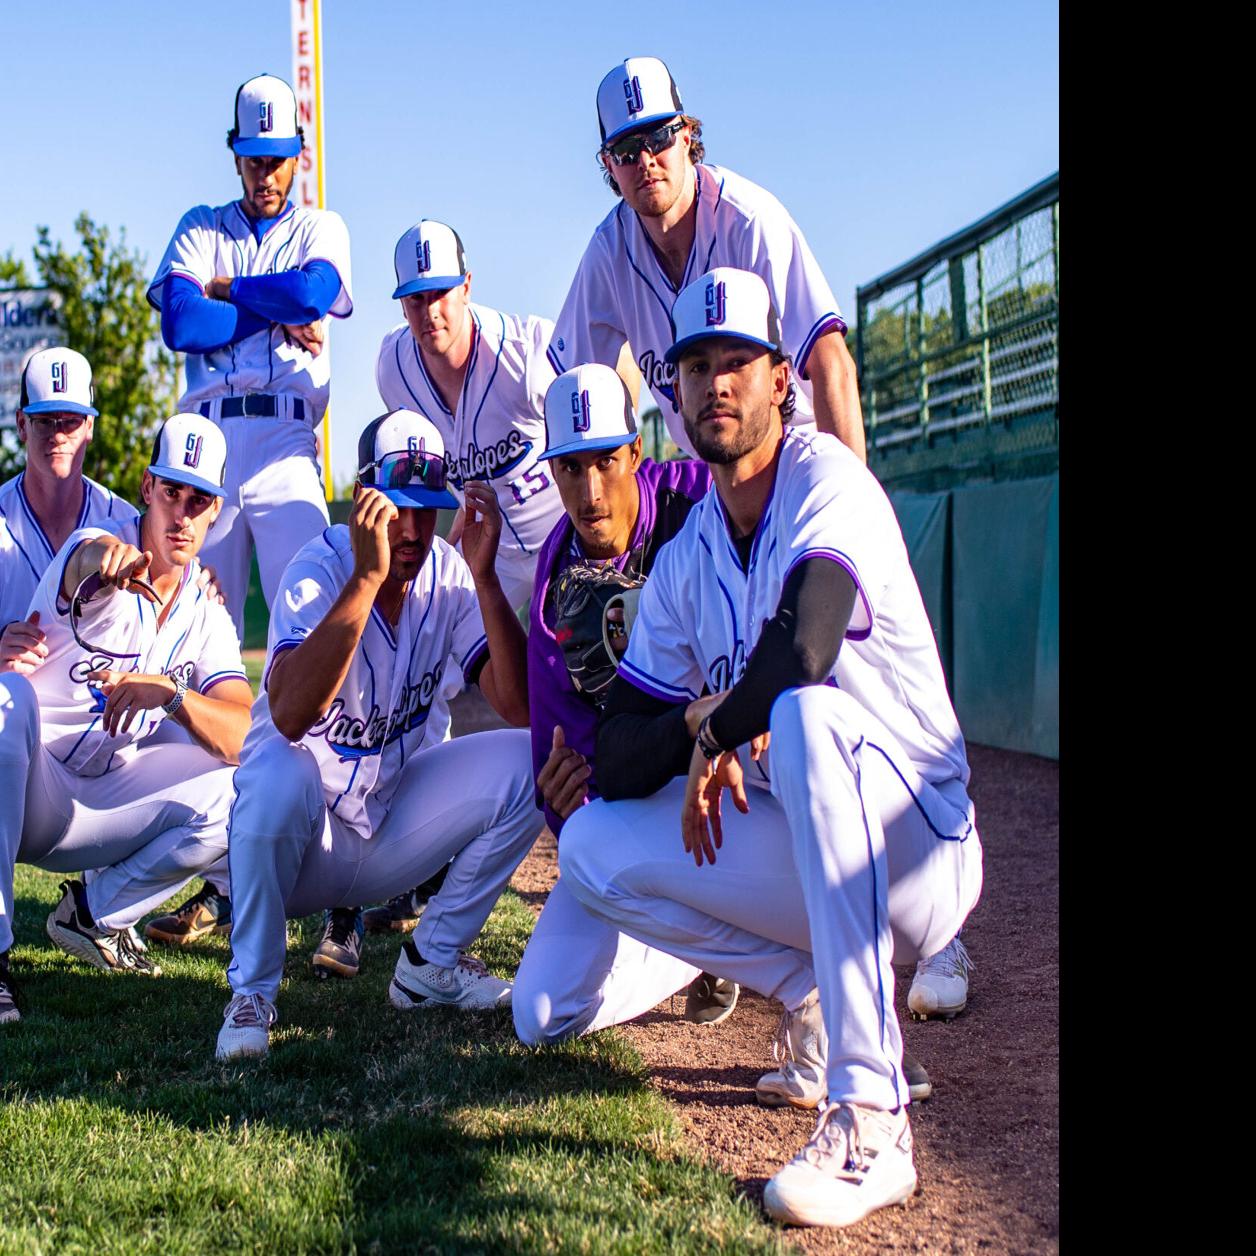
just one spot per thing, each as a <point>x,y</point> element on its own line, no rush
<point>653,686</point>
<point>554,361</point>
<point>281,648</point>
<point>826,323</point>
<point>848,565</point>
<point>218,677</point>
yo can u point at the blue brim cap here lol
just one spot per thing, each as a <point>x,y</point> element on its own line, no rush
<point>583,446</point>
<point>673,354</point>
<point>177,475</point>
<point>419,498</point>
<point>59,407</point>
<point>430,283</point>
<point>259,147</point>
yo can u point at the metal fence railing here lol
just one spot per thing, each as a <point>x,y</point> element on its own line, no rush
<point>958,351</point>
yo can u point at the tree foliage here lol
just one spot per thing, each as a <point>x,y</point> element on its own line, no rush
<point>107,318</point>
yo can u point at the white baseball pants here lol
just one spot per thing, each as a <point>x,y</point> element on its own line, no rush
<point>147,827</point>
<point>469,800</point>
<point>273,498</point>
<point>852,863</point>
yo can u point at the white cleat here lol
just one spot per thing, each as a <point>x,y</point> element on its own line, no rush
<point>468,985</point>
<point>858,1160</point>
<point>940,987</point>
<point>802,1048</point>
<point>245,1031</point>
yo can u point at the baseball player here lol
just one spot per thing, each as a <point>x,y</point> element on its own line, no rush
<point>788,594</point>
<point>244,291</point>
<point>678,218</point>
<point>337,800</point>
<point>579,974</point>
<point>88,780</point>
<point>43,504</point>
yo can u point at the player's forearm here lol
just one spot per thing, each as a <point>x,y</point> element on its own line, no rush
<point>218,726</point>
<point>642,743</point>
<point>835,392</point>
<point>192,323</point>
<point>82,562</point>
<point>290,296</point>
<point>304,680</point>
<point>507,682</point>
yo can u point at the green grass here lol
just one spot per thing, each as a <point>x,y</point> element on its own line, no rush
<point>366,1129</point>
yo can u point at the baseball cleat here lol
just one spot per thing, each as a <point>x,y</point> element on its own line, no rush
<point>401,913</point>
<point>918,1084</point>
<point>710,1000</point>
<point>207,912</point>
<point>940,987</point>
<point>8,994</point>
<point>858,1160</point>
<point>340,951</point>
<point>136,941</point>
<point>468,985</point>
<point>245,1031</point>
<point>71,927</point>
<point>802,1048</point>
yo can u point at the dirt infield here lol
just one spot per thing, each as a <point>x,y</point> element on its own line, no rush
<point>987,1143</point>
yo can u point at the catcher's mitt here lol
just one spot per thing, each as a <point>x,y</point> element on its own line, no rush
<point>583,594</point>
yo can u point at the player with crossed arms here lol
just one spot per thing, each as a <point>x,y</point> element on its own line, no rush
<point>789,594</point>
<point>244,290</point>
<point>133,644</point>
<point>339,801</point>
<point>677,218</point>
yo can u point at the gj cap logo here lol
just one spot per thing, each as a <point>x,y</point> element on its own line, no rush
<point>192,451</point>
<point>265,117</point>
<point>580,411</point>
<point>60,378</point>
<point>632,94</point>
<point>715,304</point>
<point>423,254</point>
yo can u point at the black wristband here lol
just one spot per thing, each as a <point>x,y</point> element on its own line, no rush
<point>711,749</point>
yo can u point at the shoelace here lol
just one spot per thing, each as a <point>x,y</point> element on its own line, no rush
<point>339,926</point>
<point>469,963</point>
<point>951,961</point>
<point>843,1144</point>
<point>127,952</point>
<point>205,896</point>
<point>245,1012</point>
<point>782,1044</point>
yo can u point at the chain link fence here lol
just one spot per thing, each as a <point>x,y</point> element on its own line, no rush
<point>958,352</point>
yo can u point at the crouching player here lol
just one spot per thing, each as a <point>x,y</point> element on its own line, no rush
<point>87,777</point>
<point>335,802</point>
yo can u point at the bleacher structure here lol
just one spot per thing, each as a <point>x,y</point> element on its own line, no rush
<point>958,352</point>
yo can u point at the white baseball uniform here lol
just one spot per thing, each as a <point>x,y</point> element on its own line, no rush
<point>26,551</point>
<point>495,431</point>
<point>864,851</point>
<point>273,494</point>
<point>359,810</point>
<point>621,292</point>
<point>148,814</point>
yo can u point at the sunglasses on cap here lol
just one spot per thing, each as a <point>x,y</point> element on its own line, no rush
<point>405,468</point>
<point>626,151</point>
<point>46,424</point>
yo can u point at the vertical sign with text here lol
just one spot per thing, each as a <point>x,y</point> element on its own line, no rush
<point>307,77</point>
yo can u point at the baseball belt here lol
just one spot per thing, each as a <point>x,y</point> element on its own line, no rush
<point>254,405</point>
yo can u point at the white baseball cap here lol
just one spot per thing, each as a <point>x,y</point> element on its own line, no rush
<point>57,380</point>
<point>428,258</point>
<point>639,91</point>
<point>725,302</point>
<point>587,408</point>
<point>190,449</point>
<point>402,454</point>
<point>265,119</point>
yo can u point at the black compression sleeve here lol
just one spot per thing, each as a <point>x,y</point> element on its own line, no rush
<point>798,646</point>
<point>642,743</point>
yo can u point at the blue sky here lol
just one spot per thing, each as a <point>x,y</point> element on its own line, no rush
<point>882,127</point>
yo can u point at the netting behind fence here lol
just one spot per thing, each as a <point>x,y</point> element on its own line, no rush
<point>958,351</point>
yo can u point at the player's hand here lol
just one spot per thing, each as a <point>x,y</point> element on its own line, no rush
<point>700,708</point>
<point>563,779</point>
<point>310,336</point>
<point>700,825</point>
<point>759,745</point>
<point>122,564</point>
<point>128,695</point>
<point>23,646</point>
<point>481,529</point>
<point>219,288</point>
<point>207,583</point>
<point>368,534</point>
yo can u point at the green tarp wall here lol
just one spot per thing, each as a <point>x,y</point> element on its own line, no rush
<point>987,558</point>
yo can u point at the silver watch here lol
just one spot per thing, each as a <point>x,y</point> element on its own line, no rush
<point>180,688</point>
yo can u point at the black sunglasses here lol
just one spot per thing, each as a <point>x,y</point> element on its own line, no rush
<point>626,151</point>
<point>84,594</point>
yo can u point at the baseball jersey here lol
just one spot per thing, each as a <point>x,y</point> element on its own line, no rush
<point>700,613</point>
<point>668,491</point>
<point>498,427</point>
<point>211,242</point>
<point>378,718</point>
<point>621,292</point>
<point>26,551</point>
<point>197,641</point>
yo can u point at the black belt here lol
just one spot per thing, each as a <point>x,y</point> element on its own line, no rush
<point>252,405</point>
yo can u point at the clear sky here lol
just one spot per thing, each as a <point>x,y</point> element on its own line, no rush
<point>881,126</point>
